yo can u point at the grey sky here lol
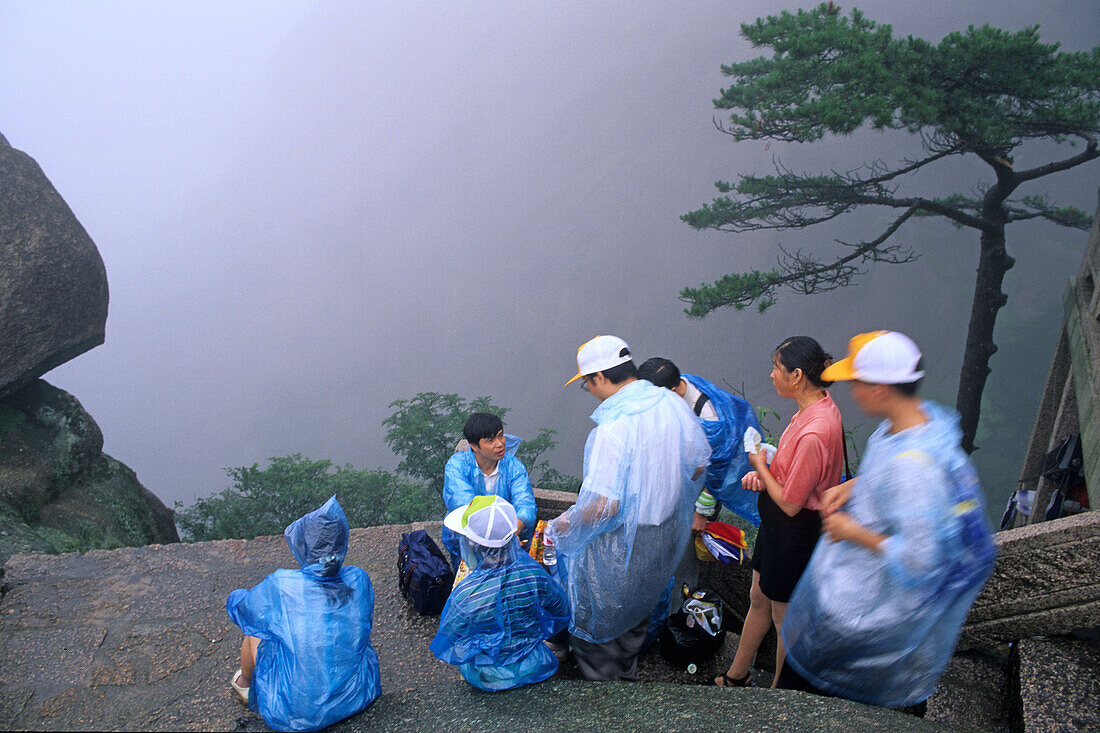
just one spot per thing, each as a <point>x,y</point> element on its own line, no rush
<point>308,210</point>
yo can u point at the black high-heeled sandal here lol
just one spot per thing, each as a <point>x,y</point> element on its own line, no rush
<point>728,681</point>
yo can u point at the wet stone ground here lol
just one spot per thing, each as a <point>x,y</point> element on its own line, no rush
<point>138,639</point>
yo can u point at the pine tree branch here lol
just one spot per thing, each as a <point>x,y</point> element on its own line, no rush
<point>801,272</point>
<point>1039,208</point>
<point>1090,152</point>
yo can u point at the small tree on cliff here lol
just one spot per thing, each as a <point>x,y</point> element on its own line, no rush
<point>981,93</point>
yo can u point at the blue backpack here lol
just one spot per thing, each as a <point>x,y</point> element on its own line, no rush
<point>423,573</point>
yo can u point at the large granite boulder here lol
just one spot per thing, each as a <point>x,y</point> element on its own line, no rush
<point>53,286</point>
<point>58,491</point>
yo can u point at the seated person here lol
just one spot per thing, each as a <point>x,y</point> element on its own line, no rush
<point>307,660</point>
<point>489,467</point>
<point>498,616</point>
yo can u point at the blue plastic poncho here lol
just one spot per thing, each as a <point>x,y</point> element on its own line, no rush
<point>497,617</point>
<point>728,460</point>
<point>879,627</point>
<point>622,540</point>
<point>315,664</point>
<point>463,480</point>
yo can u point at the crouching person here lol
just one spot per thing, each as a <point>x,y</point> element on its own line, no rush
<point>307,660</point>
<point>498,616</point>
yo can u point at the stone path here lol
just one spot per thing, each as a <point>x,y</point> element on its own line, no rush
<point>138,638</point>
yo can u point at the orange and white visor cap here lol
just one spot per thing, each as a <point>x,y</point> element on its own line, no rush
<point>878,357</point>
<point>602,352</point>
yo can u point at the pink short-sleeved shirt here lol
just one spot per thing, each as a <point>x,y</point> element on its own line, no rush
<point>810,457</point>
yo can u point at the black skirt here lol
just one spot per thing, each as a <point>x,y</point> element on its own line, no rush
<point>783,547</point>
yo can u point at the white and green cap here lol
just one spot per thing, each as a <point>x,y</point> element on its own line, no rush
<point>489,521</point>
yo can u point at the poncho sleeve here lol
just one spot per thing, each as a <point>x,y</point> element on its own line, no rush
<point>600,496</point>
<point>259,611</point>
<point>457,487</point>
<point>521,495</point>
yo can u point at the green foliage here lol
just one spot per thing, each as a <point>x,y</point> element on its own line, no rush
<point>982,92</point>
<point>263,501</point>
<point>422,430</point>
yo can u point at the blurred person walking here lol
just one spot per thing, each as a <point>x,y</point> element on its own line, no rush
<point>878,611</point>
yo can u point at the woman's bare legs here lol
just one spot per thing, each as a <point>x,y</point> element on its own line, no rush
<point>757,622</point>
<point>779,610</point>
<point>248,660</point>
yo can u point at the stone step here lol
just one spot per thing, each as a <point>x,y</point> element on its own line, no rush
<point>978,691</point>
<point>1059,684</point>
<point>1046,582</point>
<point>563,705</point>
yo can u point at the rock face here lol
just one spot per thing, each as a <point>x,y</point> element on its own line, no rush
<point>58,491</point>
<point>53,286</point>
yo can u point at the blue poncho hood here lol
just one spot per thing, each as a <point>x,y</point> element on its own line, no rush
<point>319,540</point>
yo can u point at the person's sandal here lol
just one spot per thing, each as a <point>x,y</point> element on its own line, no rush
<point>242,692</point>
<point>728,681</point>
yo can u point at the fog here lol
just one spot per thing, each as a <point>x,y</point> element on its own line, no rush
<point>309,210</point>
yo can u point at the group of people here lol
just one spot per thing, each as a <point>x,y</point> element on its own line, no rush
<point>867,578</point>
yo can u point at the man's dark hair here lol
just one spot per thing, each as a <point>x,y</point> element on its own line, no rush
<point>909,389</point>
<point>621,372</point>
<point>481,425</point>
<point>660,371</point>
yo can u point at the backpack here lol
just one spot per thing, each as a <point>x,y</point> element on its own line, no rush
<point>423,573</point>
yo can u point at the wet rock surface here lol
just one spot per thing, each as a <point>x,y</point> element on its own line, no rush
<point>54,285</point>
<point>138,638</point>
<point>58,491</point>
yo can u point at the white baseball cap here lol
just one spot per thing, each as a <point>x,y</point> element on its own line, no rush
<point>878,357</point>
<point>602,352</point>
<point>489,521</point>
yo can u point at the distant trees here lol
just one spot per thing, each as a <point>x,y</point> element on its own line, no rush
<point>423,430</point>
<point>981,93</point>
<point>263,501</point>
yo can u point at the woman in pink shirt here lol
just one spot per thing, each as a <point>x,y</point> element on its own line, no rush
<point>809,460</point>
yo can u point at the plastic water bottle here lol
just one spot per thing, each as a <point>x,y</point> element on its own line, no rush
<point>549,552</point>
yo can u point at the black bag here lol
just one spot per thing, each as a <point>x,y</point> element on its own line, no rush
<point>685,641</point>
<point>423,573</point>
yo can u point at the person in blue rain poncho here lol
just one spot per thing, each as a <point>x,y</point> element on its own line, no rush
<point>488,466</point>
<point>307,660</point>
<point>620,543</point>
<point>724,418</point>
<point>498,616</point>
<point>876,615</point>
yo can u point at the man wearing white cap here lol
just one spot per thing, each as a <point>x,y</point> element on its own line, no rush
<point>620,543</point>
<point>876,615</point>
